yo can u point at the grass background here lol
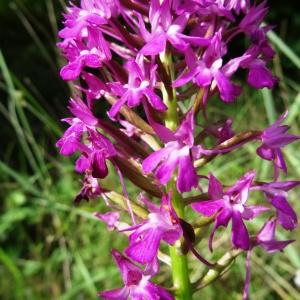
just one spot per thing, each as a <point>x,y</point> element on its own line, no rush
<point>50,249</point>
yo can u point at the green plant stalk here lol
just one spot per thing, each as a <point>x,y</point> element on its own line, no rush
<point>171,117</point>
<point>179,263</point>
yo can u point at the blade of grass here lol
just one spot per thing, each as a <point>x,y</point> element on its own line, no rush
<point>284,48</point>
<point>90,286</point>
<point>14,97</point>
<point>34,106</point>
<point>10,265</point>
<point>24,181</point>
<point>269,105</point>
<point>38,152</point>
<point>291,156</point>
<point>293,110</point>
<point>276,277</point>
<point>70,294</point>
<point>31,31</point>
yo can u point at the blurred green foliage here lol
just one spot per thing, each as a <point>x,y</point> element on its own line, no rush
<point>50,249</point>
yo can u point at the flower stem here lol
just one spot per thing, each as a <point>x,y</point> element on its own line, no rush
<point>169,93</point>
<point>180,271</point>
<point>179,262</point>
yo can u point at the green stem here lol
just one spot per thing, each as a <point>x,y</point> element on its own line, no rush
<point>180,271</point>
<point>179,262</point>
<point>169,93</point>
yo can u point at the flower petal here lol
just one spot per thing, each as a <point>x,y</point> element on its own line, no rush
<point>152,161</point>
<point>208,208</point>
<point>144,248</point>
<point>240,236</point>
<point>228,91</point>
<point>285,213</point>
<point>156,45</point>
<point>187,176</point>
<point>215,188</point>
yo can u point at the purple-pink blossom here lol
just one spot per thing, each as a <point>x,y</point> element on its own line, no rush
<point>230,205</point>
<point>162,224</point>
<point>90,189</point>
<point>274,138</point>
<point>137,285</point>
<point>266,238</point>
<point>92,54</point>
<point>179,152</point>
<point>141,83</point>
<point>203,72</point>
<point>97,149</point>
<point>166,29</point>
<point>276,193</point>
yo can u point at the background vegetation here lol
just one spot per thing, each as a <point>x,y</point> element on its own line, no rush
<point>50,249</point>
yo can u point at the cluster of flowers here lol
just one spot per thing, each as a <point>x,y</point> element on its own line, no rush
<point>157,63</point>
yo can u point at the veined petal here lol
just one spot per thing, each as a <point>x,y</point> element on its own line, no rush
<point>267,232</point>
<point>92,60</point>
<point>215,188</point>
<point>82,163</point>
<point>228,91</point>
<point>285,213</point>
<point>98,164</point>
<point>167,168</point>
<point>134,98</point>
<point>156,45</point>
<point>177,42</point>
<point>232,66</point>
<point>208,208</point>
<point>72,70</point>
<point>274,246</point>
<point>152,161</point>
<point>144,248</point>
<point>279,161</point>
<point>265,152</point>
<point>195,40</point>
<point>203,77</point>
<point>187,176</point>
<point>260,77</point>
<point>185,132</point>
<point>242,186</point>
<point>154,100</point>
<point>117,106</point>
<point>279,141</point>
<point>171,236</point>
<point>185,78</point>
<point>252,211</point>
<point>80,110</point>
<point>68,145</point>
<point>240,235</point>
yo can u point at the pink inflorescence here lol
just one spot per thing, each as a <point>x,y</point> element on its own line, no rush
<point>155,65</point>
